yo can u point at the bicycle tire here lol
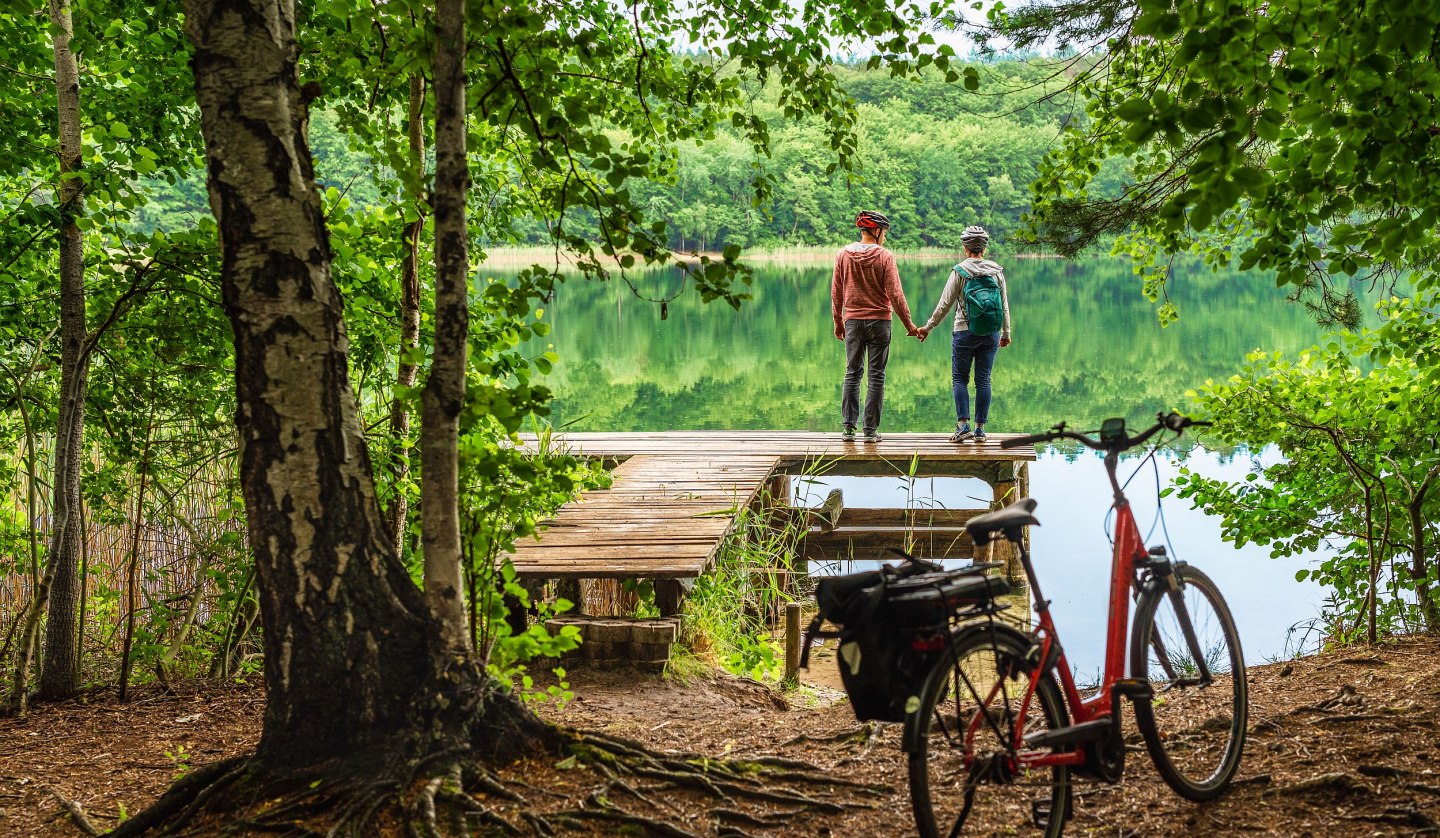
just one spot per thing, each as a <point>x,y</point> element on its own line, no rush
<point>1183,724</point>
<point>938,774</point>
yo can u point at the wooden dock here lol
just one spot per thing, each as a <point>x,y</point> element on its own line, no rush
<point>664,517</point>
<point>934,455</point>
<point>676,496</point>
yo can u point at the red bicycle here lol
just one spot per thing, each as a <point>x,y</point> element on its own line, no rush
<point>998,727</point>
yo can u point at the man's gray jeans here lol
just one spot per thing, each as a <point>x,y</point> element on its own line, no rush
<point>865,339</point>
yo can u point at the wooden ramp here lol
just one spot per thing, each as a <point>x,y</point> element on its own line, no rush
<point>664,517</point>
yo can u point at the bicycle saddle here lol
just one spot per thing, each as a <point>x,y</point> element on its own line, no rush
<point>982,528</point>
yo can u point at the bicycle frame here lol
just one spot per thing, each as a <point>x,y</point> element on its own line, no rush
<point>1128,553</point>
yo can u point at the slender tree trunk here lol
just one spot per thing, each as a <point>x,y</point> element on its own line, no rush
<point>58,674</point>
<point>359,681</point>
<point>240,618</point>
<point>192,608</point>
<point>444,394</point>
<point>409,315</point>
<point>132,603</point>
<point>1419,560</point>
<point>84,539</point>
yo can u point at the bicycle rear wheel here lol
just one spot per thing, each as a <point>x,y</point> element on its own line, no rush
<point>1195,731</point>
<point>962,773</point>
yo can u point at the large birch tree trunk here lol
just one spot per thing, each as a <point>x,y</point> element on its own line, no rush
<point>444,394</point>
<point>359,678</point>
<point>349,641</point>
<point>58,672</point>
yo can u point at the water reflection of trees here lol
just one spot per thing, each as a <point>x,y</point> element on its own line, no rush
<point>1087,346</point>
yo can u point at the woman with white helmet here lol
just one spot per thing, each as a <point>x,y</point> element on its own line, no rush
<point>977,290</point>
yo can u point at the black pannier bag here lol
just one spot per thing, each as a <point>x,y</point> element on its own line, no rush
<point>892,624</point>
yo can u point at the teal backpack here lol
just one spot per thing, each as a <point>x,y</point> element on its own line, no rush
<point>983,307</point>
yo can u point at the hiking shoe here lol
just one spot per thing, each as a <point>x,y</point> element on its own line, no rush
<point>873,436</point>
<point>962,432</point>
<point>979,434</point>
<point>848,434</point>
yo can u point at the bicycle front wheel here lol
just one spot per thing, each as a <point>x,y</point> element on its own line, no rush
<point>964,774</point>
<point>1194,728</point>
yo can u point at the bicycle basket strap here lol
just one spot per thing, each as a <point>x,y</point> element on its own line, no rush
<point>847,600</point>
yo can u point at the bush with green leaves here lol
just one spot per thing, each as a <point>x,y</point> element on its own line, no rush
<point>725,617</point>
<point>1357,421</point>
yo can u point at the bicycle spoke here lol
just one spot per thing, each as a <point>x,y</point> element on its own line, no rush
<point>1190,654</point>
<point>972,782</point>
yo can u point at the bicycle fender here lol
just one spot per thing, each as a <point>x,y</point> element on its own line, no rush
<point>915,723</point>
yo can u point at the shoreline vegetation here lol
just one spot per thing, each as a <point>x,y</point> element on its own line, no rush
<point>516,258</point>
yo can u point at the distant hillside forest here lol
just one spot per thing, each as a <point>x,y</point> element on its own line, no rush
<point>933,156</point>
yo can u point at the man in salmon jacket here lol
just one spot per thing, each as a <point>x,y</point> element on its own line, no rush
<point>863,292</point>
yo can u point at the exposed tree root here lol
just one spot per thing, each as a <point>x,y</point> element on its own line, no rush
<point>1334,782</point>
<point>863,733</point>
<point>727,780</point>
<point>1410,816</point>
<point>783,762</point>
<point>652,826</point>
<point>75,812</point>
<point>452,791</point>
<point>186,795</point>
<point>734,818</point>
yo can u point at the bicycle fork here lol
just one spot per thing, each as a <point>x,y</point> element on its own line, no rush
<point>1168,575</point>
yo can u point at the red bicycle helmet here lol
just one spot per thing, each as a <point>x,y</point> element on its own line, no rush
<point>871,220</point>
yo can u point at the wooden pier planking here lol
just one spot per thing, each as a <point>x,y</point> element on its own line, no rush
<point>676,495</point>
<point>663,517</point>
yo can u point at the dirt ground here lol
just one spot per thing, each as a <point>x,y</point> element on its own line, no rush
<point>1367,763</point>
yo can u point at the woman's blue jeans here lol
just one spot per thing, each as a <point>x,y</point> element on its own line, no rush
<point>980,350</point>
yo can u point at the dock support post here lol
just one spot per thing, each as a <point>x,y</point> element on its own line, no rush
<point>1009,482</point>
<point>669,596</point>
<point>569,588</point>
<point>792,640</point>
<point>779,491</point>
<point>1022,490</point>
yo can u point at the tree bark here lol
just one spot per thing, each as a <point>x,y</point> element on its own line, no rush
<point>132,603</point>
<point>1419,558</point>
<point>59,671</point>
<point>444,394</point>
<point>351,651</point>
<point>406,368</point>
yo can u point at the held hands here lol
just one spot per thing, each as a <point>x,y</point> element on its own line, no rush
<point>920,333</point>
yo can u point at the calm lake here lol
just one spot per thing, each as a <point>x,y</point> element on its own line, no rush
<point>1086,346</point>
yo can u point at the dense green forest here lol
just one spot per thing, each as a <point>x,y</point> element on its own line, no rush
<point>932,155</point>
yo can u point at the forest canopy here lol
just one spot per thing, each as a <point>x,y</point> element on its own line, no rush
<point>932,155</point>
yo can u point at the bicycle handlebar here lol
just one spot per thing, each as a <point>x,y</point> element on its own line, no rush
<point>1164,421</point>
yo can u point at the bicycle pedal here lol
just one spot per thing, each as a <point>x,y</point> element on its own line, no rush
<point>1040,812</point>
<point>1135,689</point>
